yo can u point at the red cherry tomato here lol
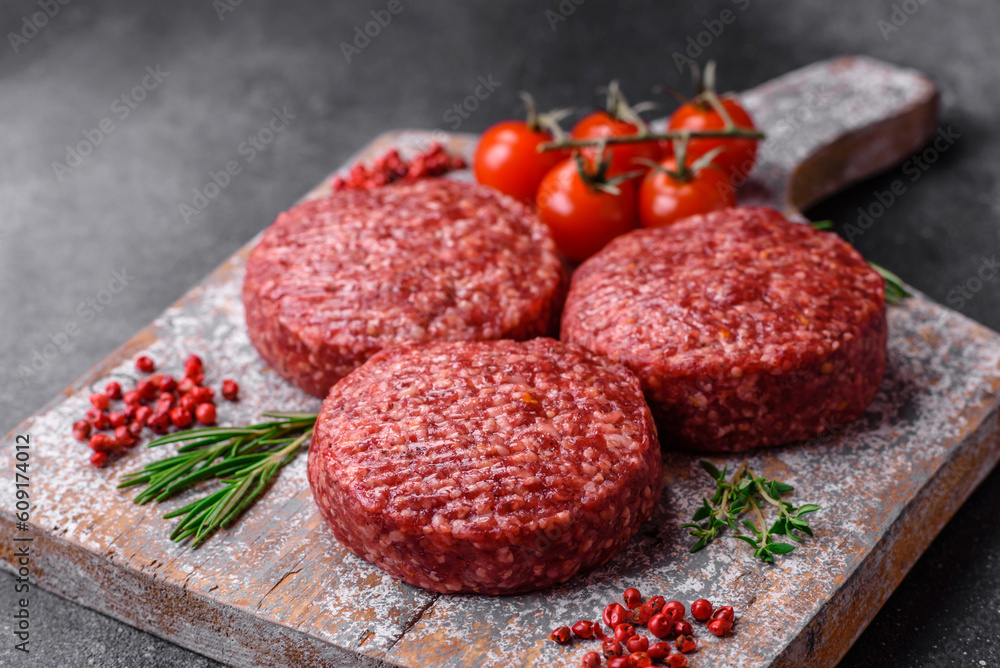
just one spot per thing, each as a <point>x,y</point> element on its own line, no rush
<point>583,218</point>
<point>601,124</point>
<point>737,158</point>
<point>506,159</point>
<point>663,199</point>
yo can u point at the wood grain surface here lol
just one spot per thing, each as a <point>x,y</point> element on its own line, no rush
<point>277,590</point>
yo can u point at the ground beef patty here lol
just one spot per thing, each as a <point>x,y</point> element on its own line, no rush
<point>334,280</point>
<point>747,330</point>
<point>491,467</point>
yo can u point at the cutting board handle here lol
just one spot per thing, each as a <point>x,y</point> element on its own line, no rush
<point>832,124</point>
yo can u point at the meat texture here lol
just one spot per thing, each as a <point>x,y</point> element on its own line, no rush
<point>746,330</point>
<point>335,280</point>
<point>489,467</point>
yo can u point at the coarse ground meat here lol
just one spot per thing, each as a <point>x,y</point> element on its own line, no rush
<point>747,330</point>
<point>491,467</point>
<point>334,280</point>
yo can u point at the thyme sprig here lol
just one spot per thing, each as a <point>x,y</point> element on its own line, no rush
<point>244,459</point>
<point>748,493</point>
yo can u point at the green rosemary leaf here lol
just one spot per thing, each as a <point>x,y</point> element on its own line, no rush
<point>822,224</point>
<point>782,487</point>
<point>700,544</point>
<point>807,508</point>
<point>245,460</point>
<point>309,418</point>
<point>895,291</point>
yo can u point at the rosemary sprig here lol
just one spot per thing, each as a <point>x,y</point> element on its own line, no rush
<point>747,492</point>
<point>245,459</point>
<point>895,292</point>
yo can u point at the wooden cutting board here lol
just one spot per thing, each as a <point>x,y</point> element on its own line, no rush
<point>277,590</point>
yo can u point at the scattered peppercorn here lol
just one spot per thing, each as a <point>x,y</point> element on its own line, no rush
<point>639,660</point>
<point>158,423</point>
<point>629,649</point>
<point>81,430</point>
<point>633,599</point>
<point>623,632</point>
<point>725,612</point>
<point>230,389</point>
<point>390,167</point>
<point>683,628</point>
<point>561,635</point>
<point>646,611</point>
<point>123,437</point>
<point>674,610</point>
<point>701,609</point>
<point>685,643</point>
<point>611,648</point>
<point>637,643</point>
<point>100,401</point>
<point>101,443</point>
<point>677,661</point>
<point>584,629</point>
<point>205,413</point>
<point>615,614</point>
<point>156,403</point>
<point>164,381</point>
<point>660,625</point>
<point>659,650</point>
<point>719,626</point>
<point>147,391</point>
<point>180,417</point>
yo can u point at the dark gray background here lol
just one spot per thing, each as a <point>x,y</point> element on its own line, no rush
<point>120,208</point>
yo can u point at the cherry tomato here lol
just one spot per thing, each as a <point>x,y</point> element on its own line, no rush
<point>601,124</point>
<point>507,159</point>
<point>663,199</point>
<point>583,218</point>
<point>737,158</point>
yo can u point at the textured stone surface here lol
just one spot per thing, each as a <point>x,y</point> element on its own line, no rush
<point>59,239</point>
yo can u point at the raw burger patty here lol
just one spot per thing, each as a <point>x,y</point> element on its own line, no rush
<point>335,280</point>
<point>491,467</point>
<point>747,330</point>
